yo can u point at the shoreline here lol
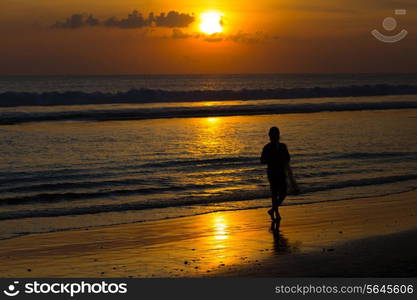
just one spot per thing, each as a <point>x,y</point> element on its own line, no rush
<point>228,243</point>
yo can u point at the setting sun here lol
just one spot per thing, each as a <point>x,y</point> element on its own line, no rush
<point>211,22</point>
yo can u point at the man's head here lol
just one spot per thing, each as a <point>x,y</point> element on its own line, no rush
<point>274,134</point>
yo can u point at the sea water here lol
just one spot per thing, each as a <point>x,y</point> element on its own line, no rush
<point>68,171</point>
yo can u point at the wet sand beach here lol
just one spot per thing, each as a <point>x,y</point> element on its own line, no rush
<point>361,237</point>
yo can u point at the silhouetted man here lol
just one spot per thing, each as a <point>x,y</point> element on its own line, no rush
<point>276,156</point>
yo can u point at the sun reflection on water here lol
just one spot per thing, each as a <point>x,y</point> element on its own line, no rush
<point>213,137</point>
<point>212,119</point>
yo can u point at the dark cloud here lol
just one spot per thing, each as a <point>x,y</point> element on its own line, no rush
<point>242,37</point>
<point>214,38</point>
<point>239,37</point>
<point>179,34</point>
<point>257,37</point>
<point>91,21</point>
<point>173,19</point>
<point>135,19</point>
<point>77,21</point>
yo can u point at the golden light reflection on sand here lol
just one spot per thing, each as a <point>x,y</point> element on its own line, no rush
<point>232,239</point>
<point>218,242</point>
<point>220,228</point>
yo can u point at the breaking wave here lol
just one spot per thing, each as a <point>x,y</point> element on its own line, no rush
<point>141,113</point>
<point>11,99</point>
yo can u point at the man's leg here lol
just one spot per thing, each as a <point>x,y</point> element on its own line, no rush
<point>281,197</point>
<point>274,195</point>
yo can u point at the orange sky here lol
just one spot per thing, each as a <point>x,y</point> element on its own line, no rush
<point>263,36</point>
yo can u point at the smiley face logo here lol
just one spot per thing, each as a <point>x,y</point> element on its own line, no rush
<point>11,290</point>
<point>390,24</point>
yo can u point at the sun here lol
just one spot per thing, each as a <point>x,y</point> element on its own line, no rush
<point>211,22</point>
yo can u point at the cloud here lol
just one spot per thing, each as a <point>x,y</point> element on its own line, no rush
<point>173,19</point>
<point>239,37</point>
<point>214,38</point>
<point>257,37</point>
<point>242,37</point>
<point>179,34</point>
<point>77,21</point>
<point>135,19</point>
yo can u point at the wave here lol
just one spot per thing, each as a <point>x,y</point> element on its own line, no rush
<point>12,99</point>
<point>9,118</point>
<point>93,173</point>
<point>376,155</point>
<point>95,177</point>
<point>227,197</point>
<point>55,197</point>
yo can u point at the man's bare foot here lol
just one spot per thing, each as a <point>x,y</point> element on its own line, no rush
<point>271,214</point>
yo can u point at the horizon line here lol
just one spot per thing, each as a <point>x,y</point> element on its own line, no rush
<point>208,74</point>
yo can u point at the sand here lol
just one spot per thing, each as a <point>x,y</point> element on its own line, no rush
<point>366,237</point>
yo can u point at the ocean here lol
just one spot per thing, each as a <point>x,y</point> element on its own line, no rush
<point>85,151</point>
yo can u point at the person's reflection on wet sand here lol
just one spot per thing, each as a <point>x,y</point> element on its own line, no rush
<point>280,243</point>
